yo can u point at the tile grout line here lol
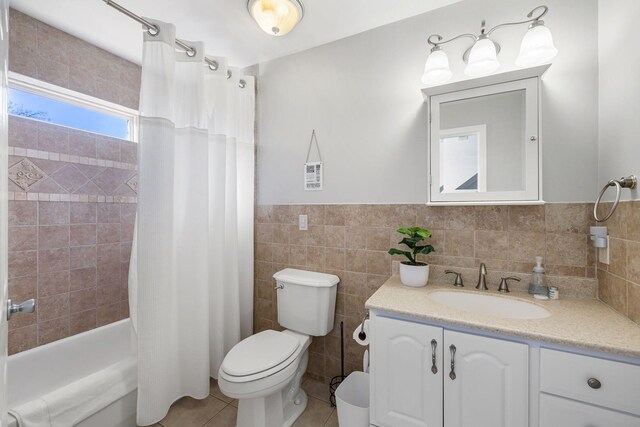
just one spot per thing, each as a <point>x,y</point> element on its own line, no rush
<point>217,413</point>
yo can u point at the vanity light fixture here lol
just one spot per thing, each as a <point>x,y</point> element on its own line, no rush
<point>482,58</point>
<point>276,17</point>
<point>436,70</point>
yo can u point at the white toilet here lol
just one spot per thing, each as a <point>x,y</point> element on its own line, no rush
<point>264,371</point>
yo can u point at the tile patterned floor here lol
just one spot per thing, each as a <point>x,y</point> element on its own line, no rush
<point>217,410</point>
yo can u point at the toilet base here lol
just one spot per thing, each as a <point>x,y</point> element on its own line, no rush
<point>279,409</point>
<point>292,411</point>
<point>254,412</point>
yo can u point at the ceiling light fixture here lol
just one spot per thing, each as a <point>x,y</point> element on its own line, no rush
<point>276,17</point>
<point>482,58</point>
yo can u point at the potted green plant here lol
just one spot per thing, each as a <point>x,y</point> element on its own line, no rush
<point>412,272</point>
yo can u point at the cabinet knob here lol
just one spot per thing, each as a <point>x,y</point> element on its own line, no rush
<point>594,383</point>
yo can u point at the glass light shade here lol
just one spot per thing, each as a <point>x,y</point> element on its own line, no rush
<point>436,70</point>
<point>483,59</point>
<point>276,17</point>
<point>537,47</point>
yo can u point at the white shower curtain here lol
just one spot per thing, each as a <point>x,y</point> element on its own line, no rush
<point>190,297</point>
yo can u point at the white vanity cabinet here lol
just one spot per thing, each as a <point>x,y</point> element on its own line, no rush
<point>578,390</point>
<point>406,390</point>
<point>559,412</point>
<point>491,385</point>
<point>484,384</point>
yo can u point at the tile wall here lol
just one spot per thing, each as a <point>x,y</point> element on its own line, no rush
<point>351,241</point>
<point>45,53</point>
<point>72,194</point>
<point>619,282</point>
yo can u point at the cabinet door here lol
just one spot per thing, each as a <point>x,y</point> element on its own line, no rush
<point>405,390</point>
<point>484,144</point>
<point>487,383</point>
<point>555,411</point>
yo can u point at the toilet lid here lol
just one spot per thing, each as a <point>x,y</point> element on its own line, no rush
<point>259,352</point>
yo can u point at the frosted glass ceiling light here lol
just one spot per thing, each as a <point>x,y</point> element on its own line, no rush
<point>276,17</point>
<point>537,46</point>
<point>436,70</point>
<point>482,58</point>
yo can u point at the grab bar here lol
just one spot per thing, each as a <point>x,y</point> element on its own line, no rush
<point>630,182</point>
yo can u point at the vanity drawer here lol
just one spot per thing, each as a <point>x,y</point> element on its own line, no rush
<point>559,412</point>
<point>567,374</point>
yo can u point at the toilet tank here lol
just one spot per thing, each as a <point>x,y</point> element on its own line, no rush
<point>306,300</point>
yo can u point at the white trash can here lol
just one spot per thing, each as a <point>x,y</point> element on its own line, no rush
<point>352,400</point>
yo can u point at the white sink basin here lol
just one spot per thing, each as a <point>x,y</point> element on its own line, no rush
<point>492,305</point>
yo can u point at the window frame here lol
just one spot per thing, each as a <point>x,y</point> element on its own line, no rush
<point>58,93</point>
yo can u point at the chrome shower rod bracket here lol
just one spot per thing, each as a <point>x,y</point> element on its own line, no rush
<point>153,30</point>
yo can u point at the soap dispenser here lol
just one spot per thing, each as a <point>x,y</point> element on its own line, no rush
<point>538,285</point>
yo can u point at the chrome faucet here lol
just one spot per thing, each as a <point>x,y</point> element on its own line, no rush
<point>504,285</point>
<point>482,278</point>
<point>458,281</point>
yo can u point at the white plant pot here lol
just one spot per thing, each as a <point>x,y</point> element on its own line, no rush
<point>414,275</point>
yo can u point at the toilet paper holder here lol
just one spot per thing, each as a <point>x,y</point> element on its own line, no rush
<point>362,335</point>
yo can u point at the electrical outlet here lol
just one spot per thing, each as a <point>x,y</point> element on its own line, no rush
<point>303,224</point>
<point>603,254</point>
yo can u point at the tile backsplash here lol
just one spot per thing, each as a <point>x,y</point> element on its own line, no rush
<point>351,241</point>
<point>619,282</point>
<point>72,194</point>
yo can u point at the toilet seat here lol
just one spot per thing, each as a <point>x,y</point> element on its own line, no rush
<point>260,356</point>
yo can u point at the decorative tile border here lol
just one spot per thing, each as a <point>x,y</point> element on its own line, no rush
<point>51,197</point>
<point>25,174</point>
<point>48,155</point>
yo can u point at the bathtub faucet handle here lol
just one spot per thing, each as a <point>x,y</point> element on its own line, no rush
<point>28,306</point>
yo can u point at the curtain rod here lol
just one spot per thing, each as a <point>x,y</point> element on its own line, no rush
<point>153,30</point>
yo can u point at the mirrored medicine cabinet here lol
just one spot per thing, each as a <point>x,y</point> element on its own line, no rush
<point>484,140</point>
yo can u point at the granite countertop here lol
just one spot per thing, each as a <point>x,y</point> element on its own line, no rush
<point>578,322</point>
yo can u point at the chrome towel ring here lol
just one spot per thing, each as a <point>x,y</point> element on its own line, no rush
<point>630,182</point>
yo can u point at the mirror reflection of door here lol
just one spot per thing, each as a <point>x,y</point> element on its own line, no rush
<point>502,117</point>
<point>463,156</point>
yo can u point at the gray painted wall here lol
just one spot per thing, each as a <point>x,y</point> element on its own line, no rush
<point>619,53</point>
<point>362,95</point>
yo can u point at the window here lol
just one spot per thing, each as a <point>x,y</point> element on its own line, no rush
<point>41,101</point>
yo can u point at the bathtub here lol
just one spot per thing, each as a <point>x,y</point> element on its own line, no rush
<point>44,369</point>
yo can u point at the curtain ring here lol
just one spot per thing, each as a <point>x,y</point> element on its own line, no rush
<point>228,74</point>
<point>242,84</point>
<point>153,30</point>
<point>191,52</point>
